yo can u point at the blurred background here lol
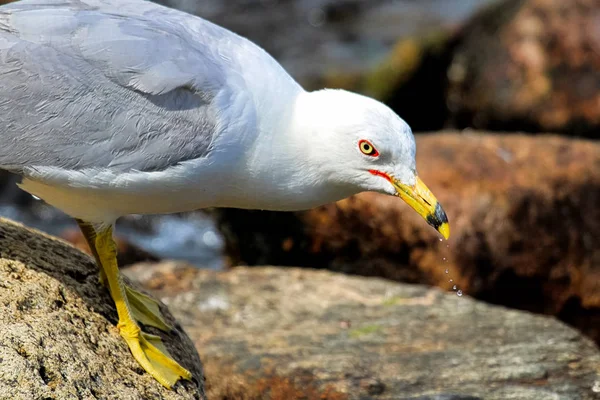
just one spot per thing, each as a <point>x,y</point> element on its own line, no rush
<point>504,96</point>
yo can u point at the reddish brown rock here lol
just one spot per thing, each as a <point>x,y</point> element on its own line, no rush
<point>300,334</point>
<point>524,217</point>
<point>529,64</point>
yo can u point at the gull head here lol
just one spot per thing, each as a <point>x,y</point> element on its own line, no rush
<point>361,144</point>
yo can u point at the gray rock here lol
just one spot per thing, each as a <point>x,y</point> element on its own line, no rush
<point>292,333</point>
<point>58,338</point>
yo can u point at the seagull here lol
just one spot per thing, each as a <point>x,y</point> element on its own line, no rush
<point>118,107</point>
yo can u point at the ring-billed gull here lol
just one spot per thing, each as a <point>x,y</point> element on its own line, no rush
<point>116,107</point>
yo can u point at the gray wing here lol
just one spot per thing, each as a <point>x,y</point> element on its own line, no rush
<point>107,84</point>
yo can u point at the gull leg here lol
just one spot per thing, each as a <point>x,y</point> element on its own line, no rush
<point>89,233</point>
<point>148,350</point>
<point>143,308</point>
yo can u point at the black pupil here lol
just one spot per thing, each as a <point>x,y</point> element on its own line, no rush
<point>367,148</point>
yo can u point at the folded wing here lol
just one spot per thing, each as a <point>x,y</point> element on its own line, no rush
<point>102,84</point>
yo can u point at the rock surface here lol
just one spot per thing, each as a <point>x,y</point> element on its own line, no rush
<point>269,333</point>
<point>529,64</point>
<point>524,218</point>
<point>58,338</point>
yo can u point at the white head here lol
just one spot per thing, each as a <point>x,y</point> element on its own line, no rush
<point>361,144</point>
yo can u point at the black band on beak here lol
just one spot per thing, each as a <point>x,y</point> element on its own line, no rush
<point>438,218</point>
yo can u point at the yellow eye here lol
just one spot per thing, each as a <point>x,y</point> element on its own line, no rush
<point>367,148</point>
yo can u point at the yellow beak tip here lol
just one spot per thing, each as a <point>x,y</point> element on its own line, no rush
<point>444,229</point>
<point>420,198</point>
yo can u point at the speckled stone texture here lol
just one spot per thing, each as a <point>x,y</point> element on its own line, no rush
<point>275,333</point>
<point>58,338</point>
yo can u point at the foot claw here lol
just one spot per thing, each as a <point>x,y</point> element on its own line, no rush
<point>148,350</point>
<point>152,355</point>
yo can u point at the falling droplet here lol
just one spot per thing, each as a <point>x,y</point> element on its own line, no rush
<point>441,239</point>
<point>446,271</point>
<point>459,293</point>
<point>451,280</point>
<point>316,17</point>
<point>444,258</point>
<point>454,287</point>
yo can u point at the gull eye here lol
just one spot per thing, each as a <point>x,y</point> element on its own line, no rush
<point>367,148</point>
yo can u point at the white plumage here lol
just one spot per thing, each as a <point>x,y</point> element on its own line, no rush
<point>260,140</point>
<point>115,107</point>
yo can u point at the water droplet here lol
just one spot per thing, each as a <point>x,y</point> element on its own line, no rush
<point>441,239</point>
<point>451,280</point>
<point>316,17</point>
<point>444,258</point>
<point>459,293</point>
<point>446,271</point>
<point>454,287</point>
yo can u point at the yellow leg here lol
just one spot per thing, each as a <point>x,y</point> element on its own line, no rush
<point>89,233</point>
<point>144,309</point>
<point>147,349</point>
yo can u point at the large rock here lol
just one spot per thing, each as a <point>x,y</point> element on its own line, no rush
<point>529,64</point>
<point>58,338</point>
<point>269,333</point>
<point>524,218</point>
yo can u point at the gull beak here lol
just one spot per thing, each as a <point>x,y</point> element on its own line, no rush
<point>420,198</point>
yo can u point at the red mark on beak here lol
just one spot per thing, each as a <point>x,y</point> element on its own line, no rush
<point>381,174</point>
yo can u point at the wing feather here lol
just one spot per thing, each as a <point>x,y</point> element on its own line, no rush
<point>89,84</point>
